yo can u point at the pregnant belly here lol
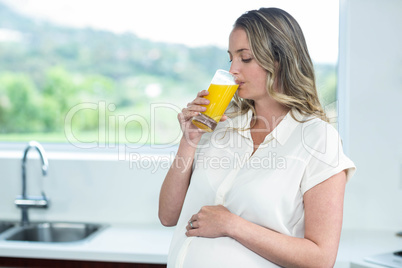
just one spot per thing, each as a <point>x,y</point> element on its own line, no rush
<point>222,252</point>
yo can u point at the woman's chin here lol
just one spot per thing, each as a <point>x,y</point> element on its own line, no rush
<point>242,94</point>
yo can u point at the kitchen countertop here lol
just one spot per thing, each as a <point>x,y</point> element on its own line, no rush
<point>116,243</point>
<point>150,244</point>
<point>357,246</point>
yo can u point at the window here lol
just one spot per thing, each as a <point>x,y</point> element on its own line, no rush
<point>100,73</point>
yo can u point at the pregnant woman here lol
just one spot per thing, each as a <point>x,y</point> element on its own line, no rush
<point>266,188</point>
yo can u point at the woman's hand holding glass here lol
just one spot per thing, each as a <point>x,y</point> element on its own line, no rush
<point>191,133</point>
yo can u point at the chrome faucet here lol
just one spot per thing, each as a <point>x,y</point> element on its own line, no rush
<point>24,201</point>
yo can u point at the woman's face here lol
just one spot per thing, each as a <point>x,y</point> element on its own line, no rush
<point>250,76</point>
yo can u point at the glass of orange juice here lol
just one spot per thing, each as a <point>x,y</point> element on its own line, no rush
<point>221,91</point>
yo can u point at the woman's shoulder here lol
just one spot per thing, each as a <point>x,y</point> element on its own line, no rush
<point>313,125</point>
<point>316,132</point>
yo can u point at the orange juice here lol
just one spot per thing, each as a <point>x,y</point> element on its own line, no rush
<point>219,98</point>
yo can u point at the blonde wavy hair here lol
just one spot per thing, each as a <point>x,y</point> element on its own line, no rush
<point>278,45</point>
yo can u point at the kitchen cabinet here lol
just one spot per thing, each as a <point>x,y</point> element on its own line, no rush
<point>44,263</point>
<point>115,246</point>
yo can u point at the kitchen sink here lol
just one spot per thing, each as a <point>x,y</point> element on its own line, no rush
<point>53,232</point>
<point>5,225</point>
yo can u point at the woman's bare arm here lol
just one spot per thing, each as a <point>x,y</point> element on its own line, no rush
<point>175,185</point>
<point>177,180</point>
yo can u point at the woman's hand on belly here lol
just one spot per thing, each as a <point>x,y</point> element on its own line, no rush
<point>210,221</point>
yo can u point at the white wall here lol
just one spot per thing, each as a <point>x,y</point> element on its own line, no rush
<point>371,96</point>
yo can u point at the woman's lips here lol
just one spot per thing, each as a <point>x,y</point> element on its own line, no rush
<point>240,84</point>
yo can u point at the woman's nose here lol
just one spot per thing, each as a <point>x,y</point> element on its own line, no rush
<point>233,69</point>
<point>235,75</point>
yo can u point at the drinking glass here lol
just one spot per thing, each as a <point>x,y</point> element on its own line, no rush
<point>221,91</point>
